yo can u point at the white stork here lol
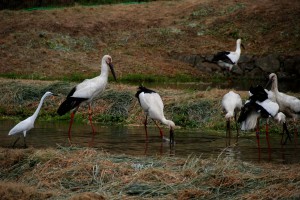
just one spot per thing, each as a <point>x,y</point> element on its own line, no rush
<point>280,118</point>
<point>258,106</point>
<point>86,92</point>
<point>153,107</point>
<point>232,104</point>
<point>227,59</point>
<point>288,104</point>
<point>27,124</point>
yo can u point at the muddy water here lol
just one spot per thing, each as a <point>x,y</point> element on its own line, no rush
<point>131,140</point>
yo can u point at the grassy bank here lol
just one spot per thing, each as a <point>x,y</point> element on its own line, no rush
<point>188,108</point>
<point>84,173</point>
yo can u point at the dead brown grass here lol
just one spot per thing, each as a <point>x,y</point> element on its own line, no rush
<point>141,37</point>
<point>84,173</point>
<point>15,190</point>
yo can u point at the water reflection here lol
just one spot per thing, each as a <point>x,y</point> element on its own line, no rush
<point>131,140</point>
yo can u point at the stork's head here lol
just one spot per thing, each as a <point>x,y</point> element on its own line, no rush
<point>272,78</point>
<point>108,60</point>
<point>47,94</point>
<point>239,43</point>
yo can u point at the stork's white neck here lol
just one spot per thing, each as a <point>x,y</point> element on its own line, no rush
<point>274,86</point>
<point>238,47</point>
<point>104,69</point>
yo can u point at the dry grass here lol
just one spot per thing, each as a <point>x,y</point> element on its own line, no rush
<point>56,43</point>
<point>83,173</point>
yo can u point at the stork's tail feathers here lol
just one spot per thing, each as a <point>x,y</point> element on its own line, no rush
<point>69,104</point>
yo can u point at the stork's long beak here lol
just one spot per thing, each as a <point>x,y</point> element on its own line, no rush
<point>242,46</point>
<point>268,83</point>
<point>112,70</point>
<point>171,136</point>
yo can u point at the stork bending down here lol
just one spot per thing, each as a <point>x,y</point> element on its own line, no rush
<point>153,107</point>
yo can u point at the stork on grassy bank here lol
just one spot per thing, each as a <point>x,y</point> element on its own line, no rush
<point>232,104</point>
<point>86,92</point>
<point>153,107</point>
<point>27,124</point>
<point>288,104</point>
<point>227,59</point>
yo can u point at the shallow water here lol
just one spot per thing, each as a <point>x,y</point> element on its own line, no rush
<point>131,140</point>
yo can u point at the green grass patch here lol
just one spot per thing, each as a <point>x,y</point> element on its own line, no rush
<point>118,111</point>
<point>192,115</point>
<point>32,76</point>
<point>152,78</point>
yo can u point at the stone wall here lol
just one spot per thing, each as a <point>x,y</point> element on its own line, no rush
<point>248,66</point>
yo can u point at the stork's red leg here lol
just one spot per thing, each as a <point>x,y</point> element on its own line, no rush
<point>267,133</point>
<point>257,133</point>
<point>90,118</point>
<point>70,126</point>
<point>71,122</point>
<point>257,138</point>
<point>268,140</point>
<point>160,131</point>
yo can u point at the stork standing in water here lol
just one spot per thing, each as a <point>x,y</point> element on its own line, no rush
<point>86,92</point>
<point>280,118</point>
<point>288,104</point>
<point>227,59</point>
<point>153,107</point>
<point>258,106</point>
<point>27,124</point>
<point>232,104</point>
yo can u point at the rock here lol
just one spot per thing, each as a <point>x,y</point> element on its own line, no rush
<point>248,65</point>
<point>237,70</point>
<point>269,63</point>
<point>245,58</point>
<point>190,59</point>
<point>208,67</point>
<point>292,65</point>
<point>256,73</point>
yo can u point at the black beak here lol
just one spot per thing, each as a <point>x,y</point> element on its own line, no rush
<point>242,46</point>
<point>268,83</point>
<point>112,71</point>
<point>171,136</point>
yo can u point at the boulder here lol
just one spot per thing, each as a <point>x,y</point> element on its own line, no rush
<point>208,67</point>
<point>269,63</point>
<point>292,65</point>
